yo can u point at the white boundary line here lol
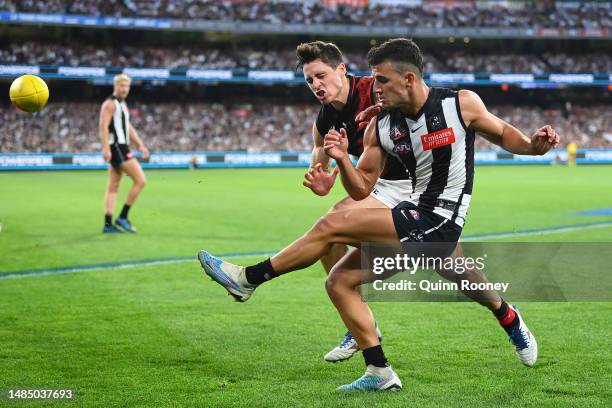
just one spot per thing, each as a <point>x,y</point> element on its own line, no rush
<point>135,264</point>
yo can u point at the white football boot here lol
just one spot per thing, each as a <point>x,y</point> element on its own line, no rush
<point>228,275</point>
<point>523,341</point>
<point>346,349</point>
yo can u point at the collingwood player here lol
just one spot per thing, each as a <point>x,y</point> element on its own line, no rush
<point>431,131</point>
<point>343,98</point>
<point>116,133</point>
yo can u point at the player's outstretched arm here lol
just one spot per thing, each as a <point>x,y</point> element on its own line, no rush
<point>497,131</point>
<point>318,179</point>
<point>358,181</point>
<point>106,114</point>
<point>138,142</point>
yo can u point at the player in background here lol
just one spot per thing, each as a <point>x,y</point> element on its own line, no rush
<point>432,131</point>
<point>116,133</point>
<point>343,97</point>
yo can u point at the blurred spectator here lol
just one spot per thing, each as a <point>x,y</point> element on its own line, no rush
<point>72,127</point>
<point>587,15</point>
<point>239,56</point>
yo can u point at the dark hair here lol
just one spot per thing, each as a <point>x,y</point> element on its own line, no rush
<point>328,53</point>
<point>400,52</point>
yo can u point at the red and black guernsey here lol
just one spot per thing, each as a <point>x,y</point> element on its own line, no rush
<point>361,96</point>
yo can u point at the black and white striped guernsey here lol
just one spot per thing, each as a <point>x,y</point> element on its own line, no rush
<point>118,128</point>
<point>437,150</point>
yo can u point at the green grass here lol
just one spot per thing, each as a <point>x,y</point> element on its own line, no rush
<point>163,336</point>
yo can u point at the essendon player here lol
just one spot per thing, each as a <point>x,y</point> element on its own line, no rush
<point>343,97</point>
<point>116,133</point>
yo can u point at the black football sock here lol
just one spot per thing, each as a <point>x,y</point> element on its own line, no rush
<point>507,317</point>
<point>258,274</point>
<point>375,356</point>
<point>108,220</point>
<point>124,211</point>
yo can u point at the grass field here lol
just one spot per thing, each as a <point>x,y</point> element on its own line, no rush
<point>161,335</point>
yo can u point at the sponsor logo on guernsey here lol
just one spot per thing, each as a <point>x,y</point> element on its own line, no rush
<point>438,139</point>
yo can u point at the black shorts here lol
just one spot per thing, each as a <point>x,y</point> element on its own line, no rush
<point>120,153</point>
<point>413,224</point>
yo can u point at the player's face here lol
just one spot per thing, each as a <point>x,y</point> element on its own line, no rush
<point>122,89</point>
<point>390,87</point>
<point>324,81</point>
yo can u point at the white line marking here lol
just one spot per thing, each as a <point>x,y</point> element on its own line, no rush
<point>543,231</point>
<point>135,264</point>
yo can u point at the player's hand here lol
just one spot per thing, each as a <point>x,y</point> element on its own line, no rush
<point>336,144</point>
<point>145,152</point>
<point>319,180</point>
<point>366,115</point>
<point>106,153</point>
<point>544,139</point>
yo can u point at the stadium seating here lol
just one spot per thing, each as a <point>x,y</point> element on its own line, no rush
<point>585,15</point>
<point>72,127</point>
<point>257,57</point>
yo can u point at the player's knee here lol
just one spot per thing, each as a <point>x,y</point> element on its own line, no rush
<point>335,284</point>
<point>338,206</point>
<point>325,225</point>
<point>141,182</point>
<point>113,187</point>
<point>332,285</point>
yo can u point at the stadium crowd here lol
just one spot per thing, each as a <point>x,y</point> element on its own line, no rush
<point>72,127</point>
<point>586,15</point>
<point>238,56</point>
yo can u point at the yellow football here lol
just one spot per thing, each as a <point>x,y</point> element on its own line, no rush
<point>29,93</point>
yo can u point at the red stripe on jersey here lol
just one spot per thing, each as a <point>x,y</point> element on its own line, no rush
<point>364,87</point>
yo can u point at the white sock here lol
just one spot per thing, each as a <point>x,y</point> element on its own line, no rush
<point>384,372</point>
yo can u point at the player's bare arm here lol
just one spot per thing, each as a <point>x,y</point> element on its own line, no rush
<point>137,142</point>
<point>318,153</point>
<point>318,178</point>
<point>497,131</point>
<point>106,114</point>
<point>358,181</point>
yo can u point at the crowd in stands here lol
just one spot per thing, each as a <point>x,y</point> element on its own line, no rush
<point>584,15</point>
<point>72,127</point>
<point>235,55</point>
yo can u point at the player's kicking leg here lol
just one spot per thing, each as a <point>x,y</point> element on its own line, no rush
<point>348,227</point>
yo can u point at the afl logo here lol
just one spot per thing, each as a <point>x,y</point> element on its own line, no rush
<point>402,148</point>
